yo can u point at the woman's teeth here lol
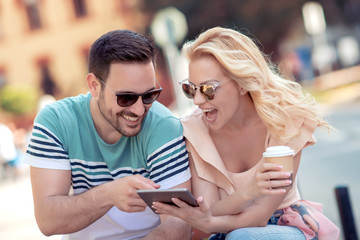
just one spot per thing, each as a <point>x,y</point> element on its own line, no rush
<point>210,114</point>
<point>207,110</point>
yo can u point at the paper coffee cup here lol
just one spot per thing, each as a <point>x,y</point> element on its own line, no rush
<point>282,155</point>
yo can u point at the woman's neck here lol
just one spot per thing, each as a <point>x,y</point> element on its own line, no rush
<point>245,116</point>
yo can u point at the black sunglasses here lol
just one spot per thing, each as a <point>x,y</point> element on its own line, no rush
<point>128,99</point>
<point>208,90</point>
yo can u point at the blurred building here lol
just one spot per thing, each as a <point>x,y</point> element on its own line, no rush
<point>45,43</point>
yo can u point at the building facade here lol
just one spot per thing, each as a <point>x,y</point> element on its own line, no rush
<point>45,43</point>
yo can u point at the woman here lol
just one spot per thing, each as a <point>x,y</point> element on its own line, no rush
<point>243,108</point>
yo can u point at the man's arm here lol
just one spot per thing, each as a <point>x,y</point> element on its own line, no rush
<point>58,213</point>
<point>172,227</point>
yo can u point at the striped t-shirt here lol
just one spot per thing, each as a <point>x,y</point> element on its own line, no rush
<point>64,137</point>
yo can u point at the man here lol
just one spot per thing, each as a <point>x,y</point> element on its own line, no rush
<point>7,149</point>
<point>107,144</point>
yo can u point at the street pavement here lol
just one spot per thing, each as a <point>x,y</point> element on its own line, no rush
<point>324,166</point>
<point>334,161</point>
<point>17,221</point>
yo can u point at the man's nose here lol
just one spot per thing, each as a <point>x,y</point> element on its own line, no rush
<point>138,107</point>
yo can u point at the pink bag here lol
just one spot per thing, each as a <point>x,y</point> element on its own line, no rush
<point>308,217</point>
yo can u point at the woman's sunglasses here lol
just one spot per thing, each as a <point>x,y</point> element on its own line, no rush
<point>128,99</point>
<point>208,90</point>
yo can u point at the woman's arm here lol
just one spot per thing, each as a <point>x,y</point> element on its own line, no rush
<point>255,215</point>
<point>200,187</point>
<point>267,180</point>
<point>241,198</point>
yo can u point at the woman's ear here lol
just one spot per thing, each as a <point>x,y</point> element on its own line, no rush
<point>93,84</point>
<point>242,91</point>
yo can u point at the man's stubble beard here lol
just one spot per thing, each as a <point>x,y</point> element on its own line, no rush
<point>115,122</point>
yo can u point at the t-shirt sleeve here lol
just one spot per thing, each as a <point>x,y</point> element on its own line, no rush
<point>46,149</point>
<point>168,161</point>
<point>305,136</point>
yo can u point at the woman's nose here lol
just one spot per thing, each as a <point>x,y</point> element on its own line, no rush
<point>199,98</point>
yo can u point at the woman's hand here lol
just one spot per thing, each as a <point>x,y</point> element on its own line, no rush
<point>198,217</point>
<point>269,180</point>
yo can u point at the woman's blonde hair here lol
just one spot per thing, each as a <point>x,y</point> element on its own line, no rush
<point>277,100</point>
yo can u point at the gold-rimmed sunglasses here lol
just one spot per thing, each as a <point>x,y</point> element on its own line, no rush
<point>206,89</point>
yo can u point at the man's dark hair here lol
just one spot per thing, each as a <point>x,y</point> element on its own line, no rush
<point>120,46</point>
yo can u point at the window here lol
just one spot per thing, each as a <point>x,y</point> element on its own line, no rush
<point>80,8</point>
<point>85,54</point>
<point>1,21</point>
<point>32,12</point>
<point>2,78</point>
<point>47,81</point>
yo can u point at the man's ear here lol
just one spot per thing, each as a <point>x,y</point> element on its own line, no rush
<point>93,84</point>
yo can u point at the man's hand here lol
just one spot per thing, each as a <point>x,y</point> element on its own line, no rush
<point>57,212</point>
<point>123,192</point>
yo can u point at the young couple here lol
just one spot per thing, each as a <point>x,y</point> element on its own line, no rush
<point>117,139</point>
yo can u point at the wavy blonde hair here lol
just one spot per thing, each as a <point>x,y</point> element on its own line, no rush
<point>277,100</point>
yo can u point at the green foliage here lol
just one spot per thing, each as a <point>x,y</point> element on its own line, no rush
<point>18,99</point>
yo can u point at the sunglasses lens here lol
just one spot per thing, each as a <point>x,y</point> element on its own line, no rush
<point>150,97</point>
<point>125,100</point>
<point>208,91</point>
<point>188,90</point>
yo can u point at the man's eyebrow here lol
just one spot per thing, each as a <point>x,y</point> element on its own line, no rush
<point>126,92</point>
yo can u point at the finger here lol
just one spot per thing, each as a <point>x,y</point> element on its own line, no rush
<point>275,187</point>
<point>275,183</point>
<point>274,175</point>
<point>179,203</point>
<point>270,167</point>
<point>137,201</point>
<point>147,180</point>
<point>141,182</point>
<point>272,191</point>
<point>202,204</point>
<point>131,209</point>
<point>163,208</point>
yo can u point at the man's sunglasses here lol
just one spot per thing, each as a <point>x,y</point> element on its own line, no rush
<point>208,90</point>
<point>128,99</point>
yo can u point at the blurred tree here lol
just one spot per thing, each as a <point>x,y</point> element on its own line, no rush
<point>18,99</point>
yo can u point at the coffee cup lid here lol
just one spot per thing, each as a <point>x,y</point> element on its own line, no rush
<point>278,151</point>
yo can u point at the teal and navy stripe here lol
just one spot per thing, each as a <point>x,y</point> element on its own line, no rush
<point>168,160</point>
<point>163,165</point>
<point>165,162</point>
<point>44,144</point>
